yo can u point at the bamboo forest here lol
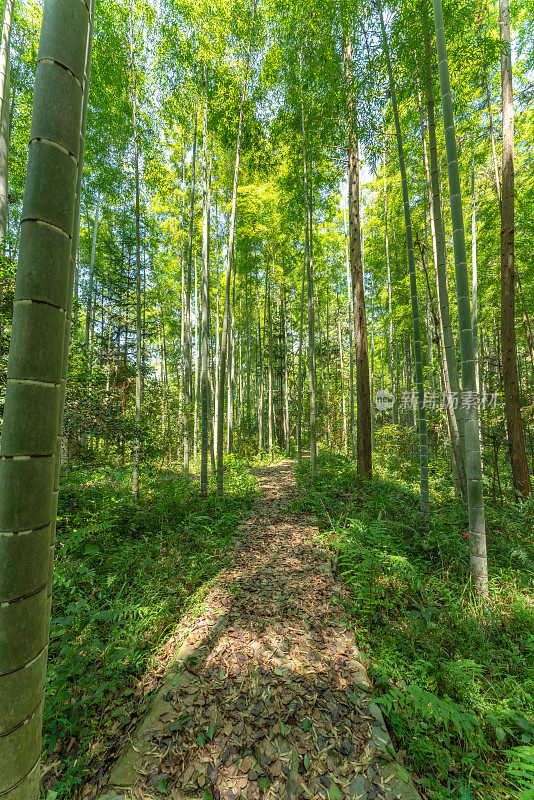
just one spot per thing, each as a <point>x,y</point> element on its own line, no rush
<point>266,400</point>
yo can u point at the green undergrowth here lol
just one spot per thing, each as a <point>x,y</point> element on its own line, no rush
<point>126,571</point>
<point>455,679</point>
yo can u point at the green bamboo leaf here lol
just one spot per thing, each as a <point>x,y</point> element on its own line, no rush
<point>334,793</point>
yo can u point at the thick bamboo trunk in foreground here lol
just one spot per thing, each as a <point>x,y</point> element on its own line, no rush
<point>34,389</point>
<point>5,117</point>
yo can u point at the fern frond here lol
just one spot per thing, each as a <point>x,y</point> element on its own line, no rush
<point>520,770</point>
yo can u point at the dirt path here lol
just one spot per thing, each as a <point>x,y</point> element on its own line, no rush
<point>267,697</point>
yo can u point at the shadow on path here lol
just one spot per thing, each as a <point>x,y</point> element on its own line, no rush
<point>267,698</point>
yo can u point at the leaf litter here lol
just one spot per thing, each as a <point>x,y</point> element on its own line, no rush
<point>277,707</point>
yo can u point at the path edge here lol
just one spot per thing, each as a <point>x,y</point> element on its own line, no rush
<point>125,772</point>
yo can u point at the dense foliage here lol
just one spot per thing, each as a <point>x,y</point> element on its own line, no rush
<point>126,573</point>
<point>453,677</point>
<point>255,174</point>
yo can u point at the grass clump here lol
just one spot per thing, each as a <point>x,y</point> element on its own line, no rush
<point>454,678</point>
<point>126,571</point>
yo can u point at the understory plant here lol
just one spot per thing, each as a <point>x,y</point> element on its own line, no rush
<point>454,677</point>
<point>126,572</point>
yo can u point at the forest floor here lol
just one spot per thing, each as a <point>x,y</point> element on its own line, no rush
<point>267,696</point>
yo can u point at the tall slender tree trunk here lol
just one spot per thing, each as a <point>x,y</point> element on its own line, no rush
<point>230,404</point>
<point>30,432</point>
<point>217,327</point>
<point>311,311</point>
<point>428,322</point>
<point>450,370</point>
<point>300,375</point>
<point>363,390</point>
<point>165,375</point>
<point>474,270</point>
<point>435,318</point>
<point>409,383</point>
<point>143,328</point>
<point>125,352</point>
<point>90,299</point>
<point>188,367</point>
<point>342,377</point>
<point>180,376</point>
<point>239,372</point>
<point>247,314</point>
<point>229,261</point>
<point>474,313</point>
<point>260,378</point>
<point>372,364</point>
<point>5,119</point>
<point>269,322</point>
<point>138,320</point>
<point>197,363</point>
<point>392,376</point>
<point>320,363</point>
<point>351,349</point>
<point>326,393</point>
<point>211,365</point>
<point>493,148</point>
<point>514,426</point>
<point>280,393</point>
<point>473,460</point>
<point>205,302</point>
<point>311,344</point>
<point>423,439</point>
<point>287,434</point>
